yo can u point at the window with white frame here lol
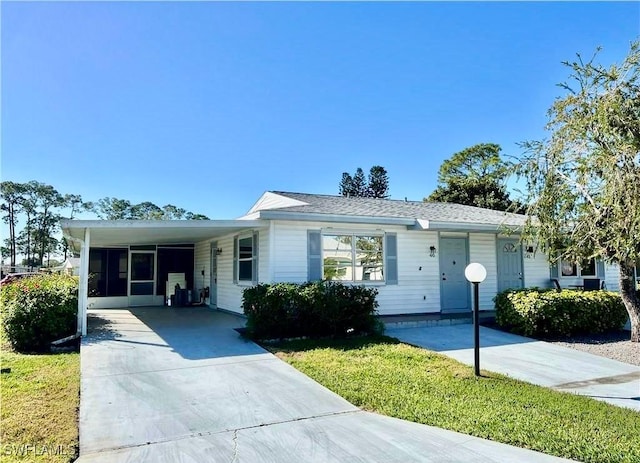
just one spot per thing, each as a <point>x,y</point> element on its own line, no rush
<point>245,258</point>
<point>570,269</point>
<point>353,257</point>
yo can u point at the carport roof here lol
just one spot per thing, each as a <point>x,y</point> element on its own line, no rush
<point>139,232</point>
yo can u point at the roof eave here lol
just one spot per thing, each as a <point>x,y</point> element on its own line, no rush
<point>337,218</point>
<point>463,226</point>
<point>78,224</point>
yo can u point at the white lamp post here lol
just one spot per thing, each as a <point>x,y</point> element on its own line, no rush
<point>476,273</point>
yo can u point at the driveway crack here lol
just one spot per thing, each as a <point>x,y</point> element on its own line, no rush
<point>222,431</point>
<point>235,446</point>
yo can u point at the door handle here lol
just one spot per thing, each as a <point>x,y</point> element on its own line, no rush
<point>444,277</point>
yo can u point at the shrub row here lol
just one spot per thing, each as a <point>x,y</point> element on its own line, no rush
<point>38,310</point>
<point>548,313</point>
<point>318,309</point>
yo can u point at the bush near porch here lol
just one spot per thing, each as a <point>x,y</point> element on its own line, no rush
<point>548,313</point>
<point>289,310</point>
<point>38,310</point>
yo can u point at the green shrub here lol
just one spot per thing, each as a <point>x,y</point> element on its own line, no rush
<point>548,313</point>
<point>286,310</point>
<point>38,310</point>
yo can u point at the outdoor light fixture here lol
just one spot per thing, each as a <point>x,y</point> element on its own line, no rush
<point>218,251</point>
<point>432,251</point>
<point>475,273</point>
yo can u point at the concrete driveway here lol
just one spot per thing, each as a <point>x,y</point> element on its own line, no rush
<point>536,362</point>
<point>180,385</point>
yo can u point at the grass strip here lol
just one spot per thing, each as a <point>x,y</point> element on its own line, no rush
<point>381,374</point>
<point>40,400</point>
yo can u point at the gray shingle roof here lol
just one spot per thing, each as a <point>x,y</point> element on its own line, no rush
<point>373,207</point>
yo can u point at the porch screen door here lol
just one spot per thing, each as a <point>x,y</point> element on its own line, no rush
<point>142,283</point>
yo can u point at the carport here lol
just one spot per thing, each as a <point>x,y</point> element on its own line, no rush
<point>125,254</point>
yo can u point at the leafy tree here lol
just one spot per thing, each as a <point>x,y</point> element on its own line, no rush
<point>47,219</point>
<point>192,216</point>
<point>584,181</point>
<point>360,187</point>
<point>332,271</point>
<point>376,186</point>
<point>345,187</point>
<point>171,212</point>
<point>146,211</point>
<point>75,204</point>
<point>11,194</point>
<point>112,209</point>
<point>41,207</point>
<point>29,202</point>
<point>119,209</point>
<point>475,176</point>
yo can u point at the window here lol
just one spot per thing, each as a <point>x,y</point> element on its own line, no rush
<point>142,266</point>
<point>108,272</point>
<point>245,257</point>
<point>571,269</point>
<point>353,257</point>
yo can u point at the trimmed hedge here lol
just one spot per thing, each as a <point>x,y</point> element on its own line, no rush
<point>38,310</point>
<point>548,313</point>
<point>287,310</point>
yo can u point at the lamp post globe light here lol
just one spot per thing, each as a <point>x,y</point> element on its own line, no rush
<point>475,273</point>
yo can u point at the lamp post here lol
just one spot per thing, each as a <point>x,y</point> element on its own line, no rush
<point>476,273</point>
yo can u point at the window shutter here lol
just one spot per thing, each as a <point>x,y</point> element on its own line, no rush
<point>600,269</point>
<point>391,267</point>
<point>235,259</point>
<point>254,261</point>
<point>314,255</point>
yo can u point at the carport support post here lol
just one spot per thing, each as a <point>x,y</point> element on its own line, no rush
<point>83,287</point>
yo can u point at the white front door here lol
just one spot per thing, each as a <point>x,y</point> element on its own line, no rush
<point>509,265</point>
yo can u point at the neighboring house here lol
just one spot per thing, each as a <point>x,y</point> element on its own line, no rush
<point>71,266</point>
<point>414,253</point>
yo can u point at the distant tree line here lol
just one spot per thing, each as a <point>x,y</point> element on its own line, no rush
<point>33,210</point>
<point>475,176</point>
<point>376,186</point>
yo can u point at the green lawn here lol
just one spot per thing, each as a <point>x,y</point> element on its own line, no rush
<point>40,398</point>
<point>382,375</point>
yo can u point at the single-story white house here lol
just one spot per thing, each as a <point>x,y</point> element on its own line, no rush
<point>414,253</point>
<point>71,266</point>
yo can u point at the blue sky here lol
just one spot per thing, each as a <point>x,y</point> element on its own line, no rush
<point>207,105</point>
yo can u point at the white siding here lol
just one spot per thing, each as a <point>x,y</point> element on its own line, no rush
<point>418,288</point>
<point>611,277</point>
<point>201,258</point>
<point>113,302</point>
<point>482,249</point>
<point>536,271</point>
<point>229,294</point>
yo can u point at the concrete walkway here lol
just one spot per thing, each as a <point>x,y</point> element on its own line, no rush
<point>180,385</point>
<point>533,361</point>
